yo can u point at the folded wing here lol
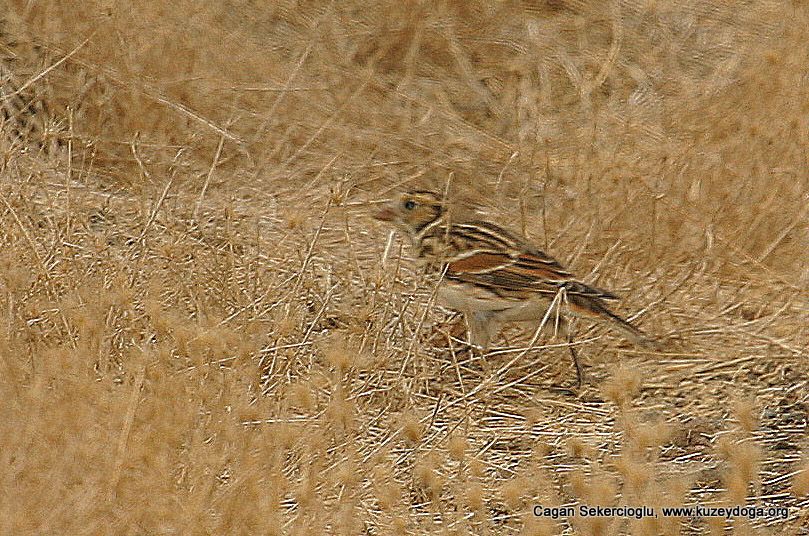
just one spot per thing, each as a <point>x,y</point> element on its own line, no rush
<point>519,274</point>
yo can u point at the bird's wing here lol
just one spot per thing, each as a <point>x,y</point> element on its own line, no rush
<point>518,273</point>
<point>489,256</point>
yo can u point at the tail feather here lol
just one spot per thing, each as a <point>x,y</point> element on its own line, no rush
<point>631,332</point>
<point>595,307</point>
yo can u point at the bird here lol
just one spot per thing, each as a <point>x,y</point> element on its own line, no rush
<point>494,276</point>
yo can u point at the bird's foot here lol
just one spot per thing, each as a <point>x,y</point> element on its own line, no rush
<point>449,334</point>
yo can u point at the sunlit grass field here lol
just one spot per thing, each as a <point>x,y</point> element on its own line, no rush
<point>203,331</point>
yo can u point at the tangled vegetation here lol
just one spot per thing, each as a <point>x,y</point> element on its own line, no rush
<point>204,332</point>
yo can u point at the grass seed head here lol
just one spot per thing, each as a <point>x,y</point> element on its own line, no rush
<point>182,225</point>
<point>746,413</point>
<point>427,477</point>
<point>651,434</point>
<point>302,395</point>
<point>635,474</point>
<point>475,496</point>
<point>340,412</point>
<point>580,449</point>
<point>623,386</point>
<point>533,526</point>
<point>513,492</point>
<point>287,322</point>
<point>533,416</point>
<point>388,495</point>
<point>457,446</point>
<point>399,525</point>
<point>338,353</point>
<point>477,468</point>
<point>410,427</point>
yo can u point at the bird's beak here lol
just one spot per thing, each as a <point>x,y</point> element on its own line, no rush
<point>386,214</point>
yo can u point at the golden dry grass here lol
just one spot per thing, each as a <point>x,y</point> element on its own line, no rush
<point>204,332</point>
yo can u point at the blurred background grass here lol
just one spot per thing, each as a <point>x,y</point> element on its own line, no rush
<point>198,309</point>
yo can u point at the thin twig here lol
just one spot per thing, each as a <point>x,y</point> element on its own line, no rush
<point>123,438</point>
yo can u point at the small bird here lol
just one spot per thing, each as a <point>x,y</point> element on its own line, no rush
<point>493,276</point>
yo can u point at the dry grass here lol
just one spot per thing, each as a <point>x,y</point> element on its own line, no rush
<point>204,333</point>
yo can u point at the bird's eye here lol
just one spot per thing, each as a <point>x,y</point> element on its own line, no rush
<point>409,205</point>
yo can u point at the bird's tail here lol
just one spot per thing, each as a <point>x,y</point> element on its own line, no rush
<point>632,333</point>
<point>595,307</point>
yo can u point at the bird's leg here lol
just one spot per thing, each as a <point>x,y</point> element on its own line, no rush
<point>572,391</point>
<point>458,326</point>
<point>579,374</point>
<point>481,328</point>
<point>564,326</point>
<point>447,330</point>
<point>567,328</point>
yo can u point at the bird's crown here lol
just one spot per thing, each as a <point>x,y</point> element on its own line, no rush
<point>412,211</point>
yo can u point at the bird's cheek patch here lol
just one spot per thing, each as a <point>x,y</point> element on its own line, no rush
<point>386,214</point>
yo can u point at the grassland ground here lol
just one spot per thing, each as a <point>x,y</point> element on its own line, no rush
<point>204,332</point>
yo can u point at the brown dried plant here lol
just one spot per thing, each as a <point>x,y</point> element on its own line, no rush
<point>203,331</point>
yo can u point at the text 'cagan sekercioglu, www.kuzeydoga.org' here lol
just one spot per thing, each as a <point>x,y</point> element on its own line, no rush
<point>640,512</point>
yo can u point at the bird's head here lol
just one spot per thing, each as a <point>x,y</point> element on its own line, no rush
<point>412,211</point>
